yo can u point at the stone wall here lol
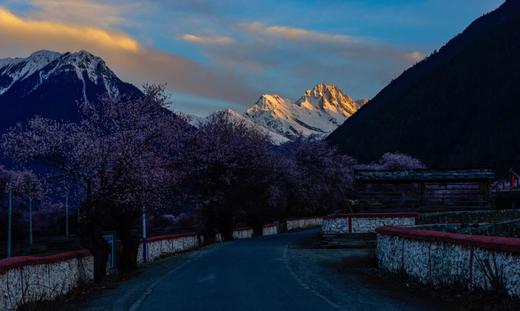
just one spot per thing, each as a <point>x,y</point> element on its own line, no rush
<point>243,233</point>
<point>270,229</point>
<point>446,259</point>
<point>30,279</point>
<point>302,223</point>
<point>365,222</point>
<point>169,244</point>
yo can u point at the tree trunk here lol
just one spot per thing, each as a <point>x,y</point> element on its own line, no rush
<point>226,225</point>
<point>130,245</point>
<point>91,236</point>
<point>99,249</point>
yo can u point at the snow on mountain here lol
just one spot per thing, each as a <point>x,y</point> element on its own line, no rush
<point>236,116</point>
<point>49,64</point>
<point>318,112</point>
<point>50,84</point>
<point>13,70</point>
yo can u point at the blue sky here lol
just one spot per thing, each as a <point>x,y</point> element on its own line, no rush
<point>219,54</point>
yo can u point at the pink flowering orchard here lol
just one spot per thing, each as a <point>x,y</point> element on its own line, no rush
<point>118,153</point>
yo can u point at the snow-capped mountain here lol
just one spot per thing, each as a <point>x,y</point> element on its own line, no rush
<point>50,84</point>
<point>235,116</point>
<point>318,112</point>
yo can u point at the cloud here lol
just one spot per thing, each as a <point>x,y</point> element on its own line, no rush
<point>16,28</point>
<point>280,58</point>
<point>297,34</point>
<point>124,54</point>
<point>221,40</point>
<point>414,56</point>
<point>85,12</point>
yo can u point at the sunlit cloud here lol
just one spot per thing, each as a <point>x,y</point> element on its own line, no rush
<point>85,12</point>
<point>297,34</point>
<point>414,56</point>
<point>130,59</point>
<point>48,31</point>
<point>221,40</point>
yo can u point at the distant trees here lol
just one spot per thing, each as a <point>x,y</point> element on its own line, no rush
<point>393,161</point>
<point>317,179</point>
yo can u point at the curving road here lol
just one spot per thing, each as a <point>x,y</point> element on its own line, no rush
<point>255,274</point>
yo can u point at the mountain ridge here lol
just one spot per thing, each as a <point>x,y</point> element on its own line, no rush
<point>50,84</point>
<point>318,112</point>
<point>456,108</point>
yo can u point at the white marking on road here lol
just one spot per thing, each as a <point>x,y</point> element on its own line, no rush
<point>303,284</point>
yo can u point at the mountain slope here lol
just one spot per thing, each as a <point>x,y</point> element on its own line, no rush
<point>235,116</point>
<point>457,108</point>
<point>51,84</point>
<point>318,112</point>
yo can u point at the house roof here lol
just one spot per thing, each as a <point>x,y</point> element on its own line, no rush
<point>424,175</point>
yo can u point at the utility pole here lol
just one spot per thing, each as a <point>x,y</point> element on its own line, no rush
<point>143,234</point>
<point>67,215</point>
<point>9,218</point>
<point>30,216</point>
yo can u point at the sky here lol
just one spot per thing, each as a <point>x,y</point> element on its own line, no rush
<point>224,54</point>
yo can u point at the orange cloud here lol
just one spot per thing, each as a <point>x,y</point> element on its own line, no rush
<point>414,56</point>
<point>297,34</point>
<point>131,60</point>
<point>14,26</point>
<point>222,40</point>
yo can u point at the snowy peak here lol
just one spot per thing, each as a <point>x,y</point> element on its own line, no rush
<point>328,98</point>
<point>50,84</point>
<point>270,104</point>
<point>318,112</point>
<point>13,70</point>
<point>43,65</point>
<point>270,101</point>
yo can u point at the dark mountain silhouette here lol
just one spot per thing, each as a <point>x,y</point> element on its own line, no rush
<point>460,107</point>
<point>50,84</point>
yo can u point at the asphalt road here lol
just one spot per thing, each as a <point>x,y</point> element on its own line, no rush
<point>254,274</point>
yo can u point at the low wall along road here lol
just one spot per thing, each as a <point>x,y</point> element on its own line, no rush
<point>31,279</point>
<point>27,279</point>
<point>302,223</point>
<point>168,244</point>
<point>243,233</point>
<point>365,222</point>
<point>444,259</point>
<point>270,229</point>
